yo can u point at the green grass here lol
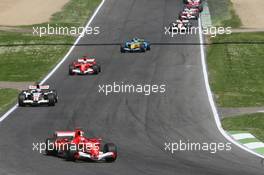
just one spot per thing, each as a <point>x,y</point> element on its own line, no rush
<point>234,21</point>
<point>223,14</point>
<point>253,123</point>
<point>29,63</point>
<point>236,71</point>
<point>8,97</point>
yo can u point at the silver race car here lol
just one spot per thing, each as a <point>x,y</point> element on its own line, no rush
<point>37,95</point>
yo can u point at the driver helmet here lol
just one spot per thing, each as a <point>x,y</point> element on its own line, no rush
<point>135,39</point>
<point>79,133</point>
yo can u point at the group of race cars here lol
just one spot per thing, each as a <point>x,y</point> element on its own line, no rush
<point>73,145</point>
<point>191,11</point>
<point>42,94</point>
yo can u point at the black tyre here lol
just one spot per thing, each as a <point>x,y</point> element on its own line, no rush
<point>200,8</point>
<point>122,49</point>
<point>71,154</point>
<point>96,69</point>
<point>21,98</point>
<point>185,1</point>
<point>56,95</point>
<point>142,48</point>
<point>110,147</point>
<point>50,147</point>
<point>52,99</point>
<point>148,47</point>
<point>71,70</point>
<point>99,67</point>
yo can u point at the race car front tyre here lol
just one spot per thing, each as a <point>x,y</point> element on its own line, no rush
<point>99,68</point>
<point>21,98</point>
<point>110,147</point>
<point>52,99</point>
<point>50,147</point>
<point>56,95</point>
<point>142,48</point>
<point>200,8</point>
<point>96,69</point>
<point>148,47</point>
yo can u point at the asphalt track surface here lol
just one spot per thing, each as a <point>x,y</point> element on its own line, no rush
<point>138,124</point>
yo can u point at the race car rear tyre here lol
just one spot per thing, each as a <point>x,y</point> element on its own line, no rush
<point>21,98</point>
<point>71,70</point>
<point>110,147</point>
<point>71,154</point>
<point>122,49</point>
<point>50,147</point>
<point>52,99</point>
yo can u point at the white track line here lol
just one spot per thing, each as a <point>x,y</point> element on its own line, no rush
<point>61,62</point>
<point>211,100</point>
<point>242,136</point>
<point>254,145</point>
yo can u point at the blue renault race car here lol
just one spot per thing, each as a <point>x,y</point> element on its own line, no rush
<point>135,45</point>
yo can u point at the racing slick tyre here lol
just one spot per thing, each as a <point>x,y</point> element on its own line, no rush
<point>52,99</point>
<point>142,48</point>
<point>50,147</point>
<point>122,49</point>
<point>148,47</point>
<point>71,155</point>
<point>56,95</point>
<point>71,70</point>
<point>200,8</point>
<point>96,69</point>
<point>99,68</point>
<point>110,147</point>
<point>21,98</point>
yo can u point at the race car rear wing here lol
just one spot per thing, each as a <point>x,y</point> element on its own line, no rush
<point>64,134</point>
<point>44,87</point>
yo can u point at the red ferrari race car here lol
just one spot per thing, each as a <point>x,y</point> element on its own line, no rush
<point>72,145</point>
<point>84,66</point>
<point>195,4</point>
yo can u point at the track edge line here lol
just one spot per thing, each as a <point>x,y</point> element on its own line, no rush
<point>211,100</point>
<point>5,115</point>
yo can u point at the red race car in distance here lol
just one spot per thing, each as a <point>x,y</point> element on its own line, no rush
<point>84,66</point>
<point>194,4</point>
<point>72,145</point>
